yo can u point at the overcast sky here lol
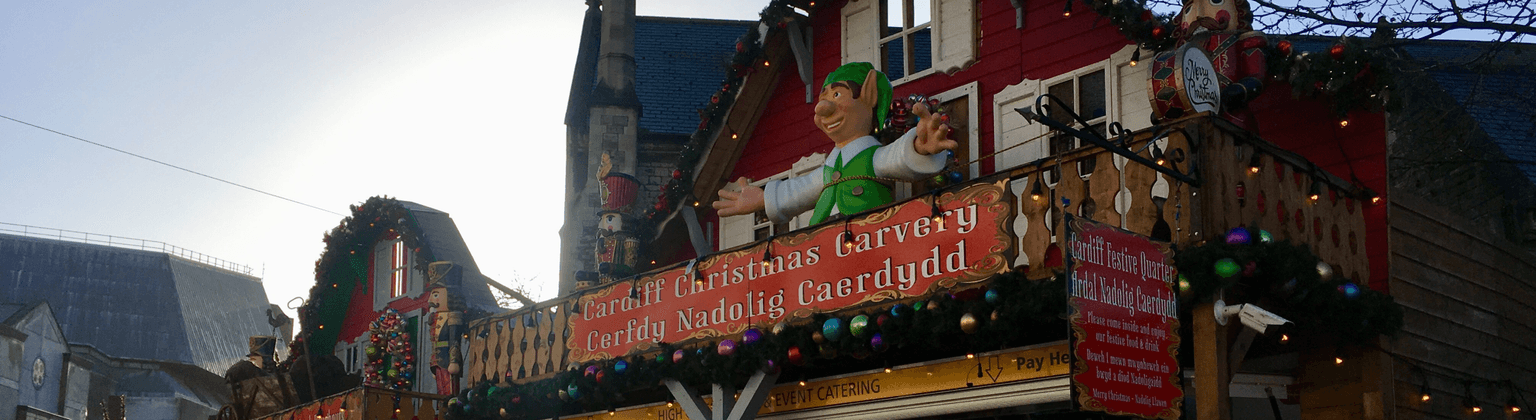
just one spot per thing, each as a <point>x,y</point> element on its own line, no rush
<point>455,105</point>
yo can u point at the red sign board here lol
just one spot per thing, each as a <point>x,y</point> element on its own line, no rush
<point>1125,322</point>
<point>897,252</point>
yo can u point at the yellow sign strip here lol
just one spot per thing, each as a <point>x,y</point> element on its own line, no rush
<point>980,370</point>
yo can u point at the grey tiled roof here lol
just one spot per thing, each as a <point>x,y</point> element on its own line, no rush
<point>679,63</point>
<point>1498,92</point>
<point>136,304</point>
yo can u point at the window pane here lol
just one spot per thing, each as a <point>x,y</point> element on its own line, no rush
<point>893,16</point>
<point>1063,92</point>
<point>895,67</point>
<point>922,49</point>
<point>1091,93</point>
<point>921,12</point>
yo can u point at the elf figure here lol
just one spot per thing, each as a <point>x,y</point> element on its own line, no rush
<point>856,175</point>
<point>1224,28</point>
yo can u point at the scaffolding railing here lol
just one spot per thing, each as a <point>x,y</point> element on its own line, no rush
<point>123,242</point>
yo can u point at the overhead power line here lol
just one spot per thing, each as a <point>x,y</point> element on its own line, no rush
<point>173,166</point>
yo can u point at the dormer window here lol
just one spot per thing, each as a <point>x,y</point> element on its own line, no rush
<point>395,275</point>
<point>398,270</point>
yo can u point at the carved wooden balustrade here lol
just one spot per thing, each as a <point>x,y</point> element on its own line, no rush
<point>529,344</point>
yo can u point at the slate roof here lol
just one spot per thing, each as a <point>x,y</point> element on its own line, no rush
<point>1497,92</point>
<point>136,304</point>
<point>447,244</point>
<point>679,63</point>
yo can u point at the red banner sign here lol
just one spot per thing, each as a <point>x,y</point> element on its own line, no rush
<point>898,252</point>
<point>1125,322</point>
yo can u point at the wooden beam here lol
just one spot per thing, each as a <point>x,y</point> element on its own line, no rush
<point>715,169</point>
<point>1212,395</point>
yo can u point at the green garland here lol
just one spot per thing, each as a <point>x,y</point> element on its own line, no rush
<point>1022,312</point>
<point>344,265</point>
<point>1355,73</point>
<point>1285,279</point>
<point>748,59</point>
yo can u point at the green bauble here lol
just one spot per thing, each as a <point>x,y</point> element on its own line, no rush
<point>373,350</point>
<point>392,373</point>
<point>1227,268</point>
<point>1266,237</point>
<point>859,326</point>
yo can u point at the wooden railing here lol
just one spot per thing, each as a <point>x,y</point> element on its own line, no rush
<point>529,344</point>
<point>521,345</point>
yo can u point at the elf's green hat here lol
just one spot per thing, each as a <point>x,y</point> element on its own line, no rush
<point>855,72</point>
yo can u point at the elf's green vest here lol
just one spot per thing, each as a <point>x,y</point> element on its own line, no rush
<point>851,195</point>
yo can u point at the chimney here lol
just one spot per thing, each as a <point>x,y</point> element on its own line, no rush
<point>616,56</point>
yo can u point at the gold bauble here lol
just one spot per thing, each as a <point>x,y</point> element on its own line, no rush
<point>780,327</point>
<point>1324,271</point>
<point>818,338</point>
<point>969,323</point>
<point>994,315</point>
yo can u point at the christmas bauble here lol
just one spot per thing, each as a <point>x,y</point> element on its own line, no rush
<point>896,310</point>
<point>877,342</point>
<point>780,327</point>
<point>995,315</point>
<point>833,329</point>
<point>563,396</point>
<point>882,320</point>
<point>591,370</point>
<point>817,337</point>
<point>918,305</point>
<point>1336,51</point>
<point>751,336</point>
<point>993,296</point>
<point>1324,271</point>
<point>1265,237</point>
<point>620,366</point>
<point>726,348</point>
<point>677,356</point>
<point>858,325</point>
<point>933,305</point>
<point>969,323</point>
<point>1284,47</point>
<point>1237,236</point>
<point>661,357</point>
<point>828,352</point>
<point>794,355</point>
<point>573,391</point>
<point>1227,268</point>
<point>599,376</point>
<point>1250,269</point>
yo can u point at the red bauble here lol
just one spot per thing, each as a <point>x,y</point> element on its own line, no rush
<point>795,357</point>
<point>740,47</point>
<point>1336,51</point>
<point>677,174</point>
<point>1284,47</point>
<point>1157,31</point>
<point>661,206</point>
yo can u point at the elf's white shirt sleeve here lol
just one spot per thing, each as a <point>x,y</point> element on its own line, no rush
<point>785,199</point>
<point>901,161</point>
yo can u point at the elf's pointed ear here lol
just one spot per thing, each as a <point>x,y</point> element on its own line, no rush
<point>869,95</point>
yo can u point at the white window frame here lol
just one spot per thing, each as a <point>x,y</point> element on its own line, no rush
<point>952,43</point>
<point>903,190</point>
<point>905,34</point>
<point>383,276</point>
<point>1006,132</point>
